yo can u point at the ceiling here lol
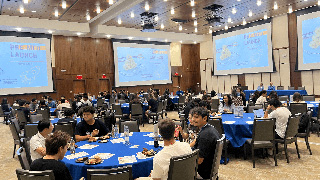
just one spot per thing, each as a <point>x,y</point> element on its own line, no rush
<point>78,10</point>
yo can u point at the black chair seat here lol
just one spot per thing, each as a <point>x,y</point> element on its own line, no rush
<point>262,144</point>
<point>302,135</point>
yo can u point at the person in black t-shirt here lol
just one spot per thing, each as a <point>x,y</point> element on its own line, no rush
<point>89,125</point>
<point>69,113</point>
<point>206,141</point>
<point>56,148</point>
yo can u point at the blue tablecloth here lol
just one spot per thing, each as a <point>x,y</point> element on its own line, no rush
<point>95,101</point>
<point>174,99</point>
<point>125,108</point>
<point>52,113</point>
<point>55,120</point>
<point>279,92</point>
<point>238,132</point>
<point>141,168</point>
<point>313,105</point>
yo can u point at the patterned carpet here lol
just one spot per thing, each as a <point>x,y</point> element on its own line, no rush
<point>305,168</point>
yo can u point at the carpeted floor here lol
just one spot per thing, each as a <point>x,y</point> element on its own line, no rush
<point>305,168</point>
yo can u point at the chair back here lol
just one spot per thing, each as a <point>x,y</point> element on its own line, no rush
<point>112,100</point>
<point>14,132</point>
<point>26,145</point>
<point>160,105</point>
<point>184,167</point>
<point>16,124</point>
<point>30,130</point>
<point>121,101</point>
<point>217,157</point>
<point>256,106</point>
<point>146,96</point>
<point>65,127</point>
<point>182,100</point>
<point>165,103</point>
<point>308,98</point>
<point>121,173</point>
<point>215,105</point>
<point>21,117</point>
<point>136,109</point>
<point>290,88</point>
<point>217,124</point>
<point>263,130</point>
<point>21,152</point>
<point>34,118</point>
<point>100,102</point>
<point>117,109</point>
<point>1,111</point>
<point>280,88</point>
<point>45,113</point>
<point>283,98</point>
<point>301,88</point>
<point>292,127</point>
<point>296,108</point>
<point>133,126</point>
<point>35,175</point>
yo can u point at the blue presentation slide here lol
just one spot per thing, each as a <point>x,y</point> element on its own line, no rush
<point>23,65</point>
<point>311,40</point>
<point>142,64</point>
<point>249,50</point>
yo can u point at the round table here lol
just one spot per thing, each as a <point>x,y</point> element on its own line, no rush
<point>141,168</point>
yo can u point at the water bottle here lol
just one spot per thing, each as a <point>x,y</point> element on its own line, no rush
<point>112,132</point>
<point>72,146</point>
<point>155,132</point>
<point>116,135</point>
<point>126,135</point>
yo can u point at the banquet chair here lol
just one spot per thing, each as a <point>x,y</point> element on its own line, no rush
<point>121,101</point>
<point>117,111</point>
<point>256,106</point>
<point>280,88</point>
<point>157,114</point>
<point>136,112</point>
<point>263,136</point>
<point>17,140</point>
<point>181,102</point>
<point>306,134</point>
<point>290,135</point>
<point>65,127</point>
<point>26,145</point>
<point>308,98</point>
<point>120,173</point>
<point>217,157</point>
<point>302,88</point>
<point>5,115</point>
<point>21,118</point>
<point>30,130</point>
<point>112,100</point>
<point>217,124</point>
<point>34,118</point>
<point>45,112</point>
<point>184,166</point>
<point>215,105</point>
<point>133,126</point>
<point>296,108</point>
<point>290,88</point>
<point>283,98</point>
<point>316,120</point>
<point>34,175</point>
<point>22,155</point>
<point>100,102</point>
<point>164,108</point>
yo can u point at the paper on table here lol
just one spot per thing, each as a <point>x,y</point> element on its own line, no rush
<point>76,155</point>
<point>229,122</point>
<point>88,146</point>
<point>249,122</point>
<point>134,146</point>
<point>127,159</point>
<point>103,155</point>
<point>119,140</point>
<point>122,134</point>
<point>151,143</point>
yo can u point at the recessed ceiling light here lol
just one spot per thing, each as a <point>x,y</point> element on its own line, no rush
<point>250,13</point>
<point>234,10</point>
<point>146,6</point>
<point>180,28</point>
<point>265,16</point>
<point>210,31</point>
<point>195,23</point>
<point>119,21</point>
<point>275,5</point>
<point>148,39</point>
<point>180,41</point>
<point>172,11</point>
<point>21,10</point>
<point>56,13</point>
<point>98,9</point>
<point>88,17</point>
<point>78,33</point>
<point>196,30</point>
<point>110,2</point>
<point>49,31</point>
<point>192,3</point>
<point>25,1</point>
<point>193,14</point>
<point>132,14</point>
<point>130,38</point>
<point>162,26</point>
<point>156,18</point>
<point>166,40</point>
<point>195,42</point>
<point>18,29</point>
<point>259,2</point>
<point>34,11</point>
<point>108,35</point>
<point>165,0</point>
<point>244,22</point>
<point>229,19</point>
<point>290,9</point>
<point>64,4</point>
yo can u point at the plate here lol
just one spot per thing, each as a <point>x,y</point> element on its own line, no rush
<point>92,163</point>
<point>103,141</point>
<point>81,160</point>
<point>104,137</point>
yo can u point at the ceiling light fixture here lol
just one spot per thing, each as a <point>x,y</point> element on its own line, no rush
<point>290,9</point>
<point>192,3</point>
<point>172,11</point>
<point>196,30</point>
<point>110,2</point>
<point>234,10</point>
<point>180,28</point>
<point>119,21</point>
<point>25,1</point>
<point>166,40</point>
<point>88,17</point>
<point>210,31</point>
<point>64,4</point>
<point>156,18</point>
<point>108,35</point>
<point>193,14</point>
<point>180,41</point>
<point>130,38</point>
<point>98,9</point>
<point>250,13</point>
<point>78,33</point>
<point>21,10</point>
<point>56,13</point>
<point>146,6</point>
<point>148,39</point>
<point>50,31</point>
<point>18,29</point>
<point>132,14</point>
<point>229,19</point>
<point>195,23</point>
<point>195,42</point>
<point>265,16</point>
<point>244,22</point>
<point>318,2</point>
<point>275,6</point>
<point>226,27</point>
<point>259,2</point>
<point>34,11</point>
<point>162,26</point>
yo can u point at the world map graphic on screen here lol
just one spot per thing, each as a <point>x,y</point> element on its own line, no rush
<point>311,40</point>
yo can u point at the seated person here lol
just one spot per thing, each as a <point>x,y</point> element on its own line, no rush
<point>226,105</point>
<point>85,101</point>
<point>42,104</point>
<point>205,142</point>
<point>263,97</point>
<point>161,160</point>
<point>297,98</point>
<point>56,147</point>
<point>260,88</point>
<point>255,96</point>
<point>63,104</point>
<point>281,114</point>
<point>51,103</point>
<point>89,125</point>
<point>135,100</point>
<point>190,133</point>
<point>153,103</point>
<point>33,105</point>
<point>5,105</point>
<point>271,87</point>
<point>238,97</point>
<point>37,142</point>
<point>24,107</point>
<point>69,114</point>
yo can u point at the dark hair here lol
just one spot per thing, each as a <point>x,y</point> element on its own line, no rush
<point>85,96</point>
<point>166,129</point>
<point>63,100</point>
<point>4,101</point>
<point>88,109</point>
<point>275,102</point>
<point>297,97</point>
<point>68,112</point>
<point>201,111</point>
<point>27,102</point>
<point>42,102</point>
<point>262,92</point>
<point>203,104</point>
<point>22,102</point>
<point>33,100</point>
<point>50,99</point>
<point>273,95</point>
<point>55,141</point>
<point>42,125</point>
<point>229,100</point>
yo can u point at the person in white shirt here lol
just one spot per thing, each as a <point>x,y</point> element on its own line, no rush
<point>262,98</point>
<point>297,98</point>
<point>63,104</point>
<point>281,114</point>
<point>226,105</point>
<point>161,161</point>
<point>85,101</point>
<point>37,142</point>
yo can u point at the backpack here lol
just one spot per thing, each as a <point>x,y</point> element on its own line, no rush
<point>303,124</point>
